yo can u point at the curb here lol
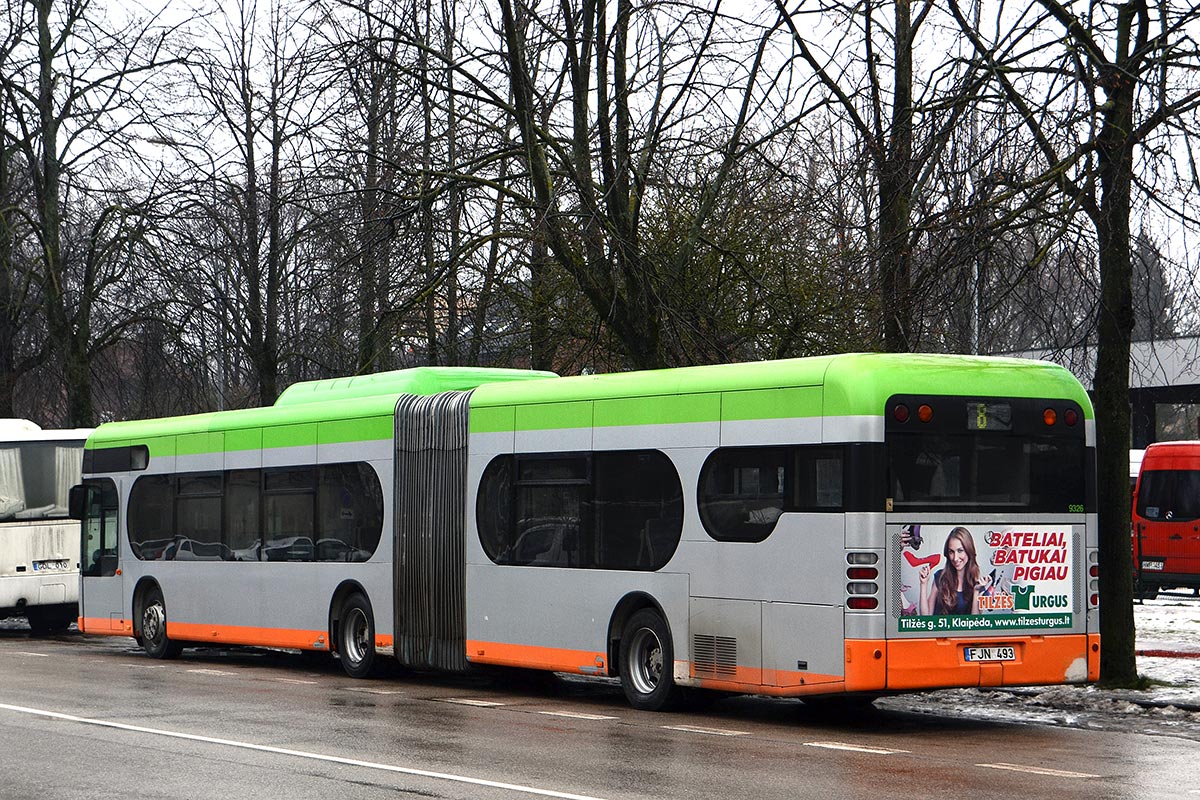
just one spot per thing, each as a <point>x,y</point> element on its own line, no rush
<point>1168,653</point>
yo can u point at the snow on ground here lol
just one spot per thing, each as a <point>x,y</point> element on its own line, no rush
<point>1168,642</point>
<point>1170,624</point>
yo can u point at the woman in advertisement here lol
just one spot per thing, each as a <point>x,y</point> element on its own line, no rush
<point>956,588</point>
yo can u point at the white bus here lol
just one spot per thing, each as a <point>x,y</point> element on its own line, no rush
<point>39,544</point>
<point>860,523</point>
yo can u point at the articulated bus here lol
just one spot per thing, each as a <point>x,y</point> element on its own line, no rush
<point>39,550</point>
<point>851,524</point>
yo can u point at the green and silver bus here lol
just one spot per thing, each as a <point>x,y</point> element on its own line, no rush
<point>859,523</point>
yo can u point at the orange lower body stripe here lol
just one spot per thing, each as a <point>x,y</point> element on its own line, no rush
<point>102,626</point>
<point>200,633</point>
<point>585,662</point>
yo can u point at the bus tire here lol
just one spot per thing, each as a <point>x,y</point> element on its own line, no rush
<point>154,627</point>
<point>356,637</point>
<point>647,662</point>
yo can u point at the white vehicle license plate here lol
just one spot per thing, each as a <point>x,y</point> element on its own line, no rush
<point>50,565</point>
<point>1153,566</point>
<point>1006,653</point>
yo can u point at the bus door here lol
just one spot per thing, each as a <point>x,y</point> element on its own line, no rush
<point>101,590</point>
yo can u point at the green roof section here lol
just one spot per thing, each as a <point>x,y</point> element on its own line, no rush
<point>360,409</point>
<point>339,410</point>
<point>416,380</point>
<point>859,384</point>
<point>852,384</point>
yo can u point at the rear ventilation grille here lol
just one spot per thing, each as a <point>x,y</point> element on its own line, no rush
<point>715,656</point>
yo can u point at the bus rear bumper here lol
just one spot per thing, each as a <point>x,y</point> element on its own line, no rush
<point>941,663</point>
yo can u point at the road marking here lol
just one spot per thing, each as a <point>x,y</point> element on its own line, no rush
<point>576,715</point>
<point>468,701</point>
<point>146,666</point>
<point>855,748</point>
<point>210,672</point>
<point>705,731</point>
<point>295,680</point>
<point>1052,773</point>
<point>369,691</point>
<point>32,655</point>
<point>262,748</point>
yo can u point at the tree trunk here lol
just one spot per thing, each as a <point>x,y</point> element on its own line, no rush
<point>895,198</point>
<point>1110,385</point>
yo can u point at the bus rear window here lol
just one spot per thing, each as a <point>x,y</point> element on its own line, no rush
<point>986,472</point>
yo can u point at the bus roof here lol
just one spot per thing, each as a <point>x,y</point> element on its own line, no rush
<point>23,430</point>
<point>358,398</point>
<point>855,383</point>
<point>417,380</point>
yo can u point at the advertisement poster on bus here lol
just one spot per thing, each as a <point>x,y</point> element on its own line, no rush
<point>975,579</point>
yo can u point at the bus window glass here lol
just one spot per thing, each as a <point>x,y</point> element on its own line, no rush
<point>819,476</point>
<point>605,510</point>
<point>982,471</point>
<point>637,510</point>
<point>289,507</point>
<point>493,508</point>
<point>742,492</point>
<point>198,519</point>
<point>242,525</point>
<point>151,517</point>
<point>350,503</point>
<point>35,478</point>
<point>547,526</point>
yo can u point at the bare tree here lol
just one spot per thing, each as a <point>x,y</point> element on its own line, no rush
<point>630,89</point>
<point>1095,87</point>
<point>901,128</point>
<point>261,97</point>
<point>76,95</point>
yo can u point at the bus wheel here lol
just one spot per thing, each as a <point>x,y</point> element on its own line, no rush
<point>356,637</point>
<point>647,662</point>
<point>154,627</point>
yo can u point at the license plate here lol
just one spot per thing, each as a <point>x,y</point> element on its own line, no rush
<point>59,564</point>
<point>1006,653</point>
<point>1153,566</point>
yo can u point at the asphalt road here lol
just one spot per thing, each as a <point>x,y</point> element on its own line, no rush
<point>84,717</point>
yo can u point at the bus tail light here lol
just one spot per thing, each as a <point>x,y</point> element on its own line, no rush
<point>862,581</point>
<point>1093,580</point>
<point>925,412</point>
<point>1071,416</point>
